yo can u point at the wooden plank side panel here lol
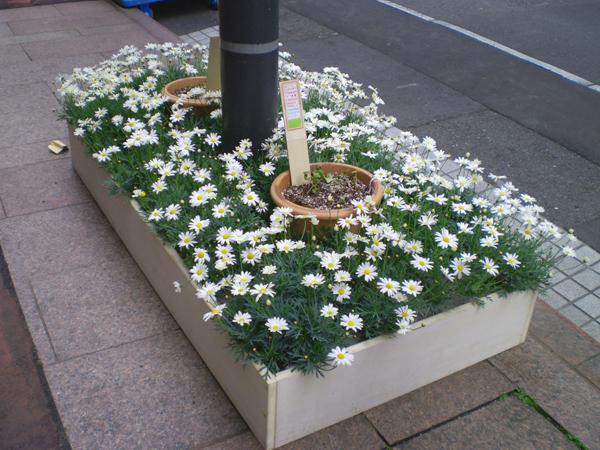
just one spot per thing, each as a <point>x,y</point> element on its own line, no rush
<point>244,385</point>
<point>396,366</point>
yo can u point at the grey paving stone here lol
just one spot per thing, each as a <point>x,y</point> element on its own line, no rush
<point>589,279</point>
<point>553,299</point>
<point>99,43</point>
<point>587,252</point>
<point>125,27</point>
<point>32,97</point>
<point>154,393</point>
<point>556,278</point>
<point>10,54</point>
<point>570,290</point>
<point>59,240</point>
<point>34,71</point>
<point>561,392</point>
<point>590,304</point>
<point>243,441</point>
<point>35,323</point>
<point>429,406</point>
<point>505,425</point>
<point>5,31</point>
<point>98,307</point>
<point>570,266</point>
<point>575,315</point>
<point>355,433</point>
<point>31,153</point>
<point>16,129</point>
<point>10,40</point>
<point>40,187</point>
<point>23,27</point>
<point>561,336</point>
<point>84,8</point>
<point>593,329</point>
<point>32,12</point>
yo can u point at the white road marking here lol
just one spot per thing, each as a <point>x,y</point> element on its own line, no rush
<point>504,48</point>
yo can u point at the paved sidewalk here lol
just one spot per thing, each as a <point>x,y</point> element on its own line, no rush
<point>120,371</point>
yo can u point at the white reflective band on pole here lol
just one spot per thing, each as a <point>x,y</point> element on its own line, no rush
<point>249,49</point>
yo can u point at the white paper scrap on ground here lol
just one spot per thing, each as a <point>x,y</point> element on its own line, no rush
<point>213,73</point>
<point>295,130</point>
<point>57,147</point>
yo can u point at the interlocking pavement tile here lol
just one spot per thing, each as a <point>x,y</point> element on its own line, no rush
<point>60,23</point>
<point>561,392</point>
<point>154,393</point>
<point>575,315</point>
<point>438,402</point>
<point>58,240</point>
<point>351,434</point>
<point>505,425</point>
<point>21,155</point>
<point>591,370</point>
<point>100,306</point>
<point>10,54</point>
<point>240,441</point>
<point>41,186</point>
<point>84,8</point>
<point>588,279</point>
<point>589,304</point>
<point>593,329</point>
<point>554,299</point>
<point>32,12</point>
<point>569,289</point>
<point>558,334</point>
<point>589,253</point>
<point>27,98</point>
<point>98,43</point>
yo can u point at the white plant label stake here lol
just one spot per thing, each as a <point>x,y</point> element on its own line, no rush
<point>295,130</point>
<point>213,73</point>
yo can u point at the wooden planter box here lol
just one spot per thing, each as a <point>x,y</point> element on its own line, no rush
<point>291,405</point>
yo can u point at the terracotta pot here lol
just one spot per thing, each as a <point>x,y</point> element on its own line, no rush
<point>327,217</point>
<point>201,107</point>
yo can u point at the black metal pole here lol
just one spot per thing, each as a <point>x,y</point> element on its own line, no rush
<point>249,32</point>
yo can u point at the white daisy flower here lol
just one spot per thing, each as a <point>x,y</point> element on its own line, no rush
<point>351,322</point>
<point>277,325</point>
<point>329,310</point>
<point>242,318</point>
<point>340,356</point>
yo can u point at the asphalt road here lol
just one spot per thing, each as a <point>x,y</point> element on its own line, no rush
<point>537,128</point>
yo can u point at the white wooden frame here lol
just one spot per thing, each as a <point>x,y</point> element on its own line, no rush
<point>290,405</point>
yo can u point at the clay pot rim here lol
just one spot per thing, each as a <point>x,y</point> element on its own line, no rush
<point>322,214</point>
<point>183,82</point>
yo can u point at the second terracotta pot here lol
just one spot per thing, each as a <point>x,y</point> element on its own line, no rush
<point>200,107</point>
